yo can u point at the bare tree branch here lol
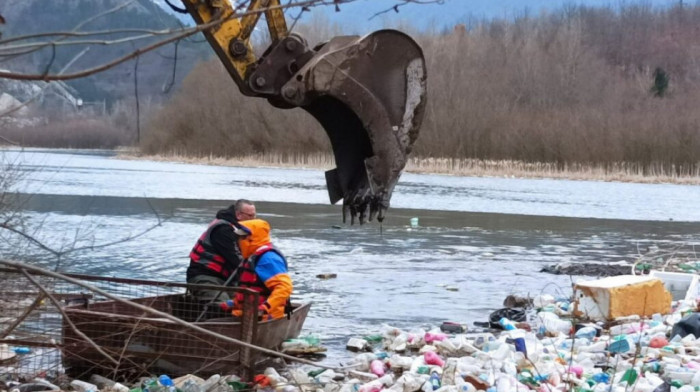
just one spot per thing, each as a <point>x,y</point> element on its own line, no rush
<point>66,318</point>
<point>171,318</point>
<point>68,34</point>
<point>183,34</point>
<point>81,24</point>
<point>395,7</point>
<point>38,93</point>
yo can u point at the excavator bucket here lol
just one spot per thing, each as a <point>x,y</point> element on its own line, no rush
<point>369,94</point>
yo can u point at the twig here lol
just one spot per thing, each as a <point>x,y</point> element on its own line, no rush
<point>83,23</point>
<point>184,33</point>
<point>395,7</point>
<point>171,82</point>
<point>41,91</point>
<point>66,318</point>
<point>87,34</point>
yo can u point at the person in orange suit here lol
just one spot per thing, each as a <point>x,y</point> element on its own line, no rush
<point>264,270</point>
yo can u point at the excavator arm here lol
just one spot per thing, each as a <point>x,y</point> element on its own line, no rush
<point>368,93</point>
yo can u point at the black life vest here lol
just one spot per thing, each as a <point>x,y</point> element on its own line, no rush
<point>204,253</point>
<point>249,279</point>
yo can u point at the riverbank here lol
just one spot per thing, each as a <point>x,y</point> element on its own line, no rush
<point>618,172</point>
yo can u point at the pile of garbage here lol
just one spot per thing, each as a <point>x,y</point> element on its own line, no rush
<point>550,352</point>
<point>544,349</point>
<point>163,383</point>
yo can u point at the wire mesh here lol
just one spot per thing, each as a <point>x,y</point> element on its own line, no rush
<point>50,327</point>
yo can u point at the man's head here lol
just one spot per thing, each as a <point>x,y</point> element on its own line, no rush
<point>259,236</point>
<point>245,209</point>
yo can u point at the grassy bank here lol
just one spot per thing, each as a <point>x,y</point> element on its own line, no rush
<point>621,172</point>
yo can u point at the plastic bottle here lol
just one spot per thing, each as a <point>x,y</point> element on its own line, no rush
<point>82,386</point>
<point>448,374</point>
<point>166,382</point>
<point>696,380</point>
<point>210,382</point>
<point>362,361</point>
<point>399,343</point>
<point>274,377</point>
<point>434,337</point>
<point>377,367</point>
<point>432,358</point>
<point>586,332</point>
<point>506,324</point>
<point>372,386</point>
<point>435,381</point>
<point>150,385</point>
<point>190,386</point>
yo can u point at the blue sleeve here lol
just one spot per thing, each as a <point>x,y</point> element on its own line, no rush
<point>269,265</point>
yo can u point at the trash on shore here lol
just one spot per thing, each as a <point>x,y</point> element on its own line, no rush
<point>303,346</point>
<point>552,351</point>
<point>546,348</point>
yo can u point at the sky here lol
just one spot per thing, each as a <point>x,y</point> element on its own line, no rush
<point>359,14</point>
<point>357,17</point>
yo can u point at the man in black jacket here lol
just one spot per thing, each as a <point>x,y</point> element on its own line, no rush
<point>216,256</point>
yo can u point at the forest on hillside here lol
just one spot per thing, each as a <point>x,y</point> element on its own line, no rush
<point>578,86</point>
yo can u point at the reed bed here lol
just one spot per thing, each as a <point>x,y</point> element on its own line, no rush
<point>619,171</point>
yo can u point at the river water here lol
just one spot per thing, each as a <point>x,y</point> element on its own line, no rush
<point>484,237</point>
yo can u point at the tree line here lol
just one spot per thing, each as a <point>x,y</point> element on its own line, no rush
<point>579,86</point>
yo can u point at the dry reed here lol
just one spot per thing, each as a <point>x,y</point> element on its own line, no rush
<point>620,172</point>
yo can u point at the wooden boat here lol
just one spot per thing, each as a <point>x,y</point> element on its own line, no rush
<point>142,344</point>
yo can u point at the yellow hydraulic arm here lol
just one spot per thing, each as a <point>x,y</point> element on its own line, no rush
<point>231,38</point>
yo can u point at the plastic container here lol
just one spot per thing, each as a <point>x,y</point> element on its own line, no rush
<point>148,385</point>
<point>506,324</point>
<point>434,337</point>
<point>190,386</point>
<point>432,358</point>
<point>434,381</point>
<point>377,367</point>
<point>167,383</point>
<point>586,333</point>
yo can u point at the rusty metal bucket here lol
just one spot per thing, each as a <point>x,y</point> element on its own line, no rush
<point>369,94</point>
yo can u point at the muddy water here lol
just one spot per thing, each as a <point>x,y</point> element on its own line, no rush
<point>391,274</point>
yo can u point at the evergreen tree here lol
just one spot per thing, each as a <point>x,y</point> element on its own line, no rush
<point>660,82</point>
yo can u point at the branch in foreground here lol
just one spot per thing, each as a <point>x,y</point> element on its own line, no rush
<point>175,320</point>
<point>185,33</point>
<point>395,7</point>
<point>66,318</point>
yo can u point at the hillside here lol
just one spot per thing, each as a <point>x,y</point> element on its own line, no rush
<point>25,17</point>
